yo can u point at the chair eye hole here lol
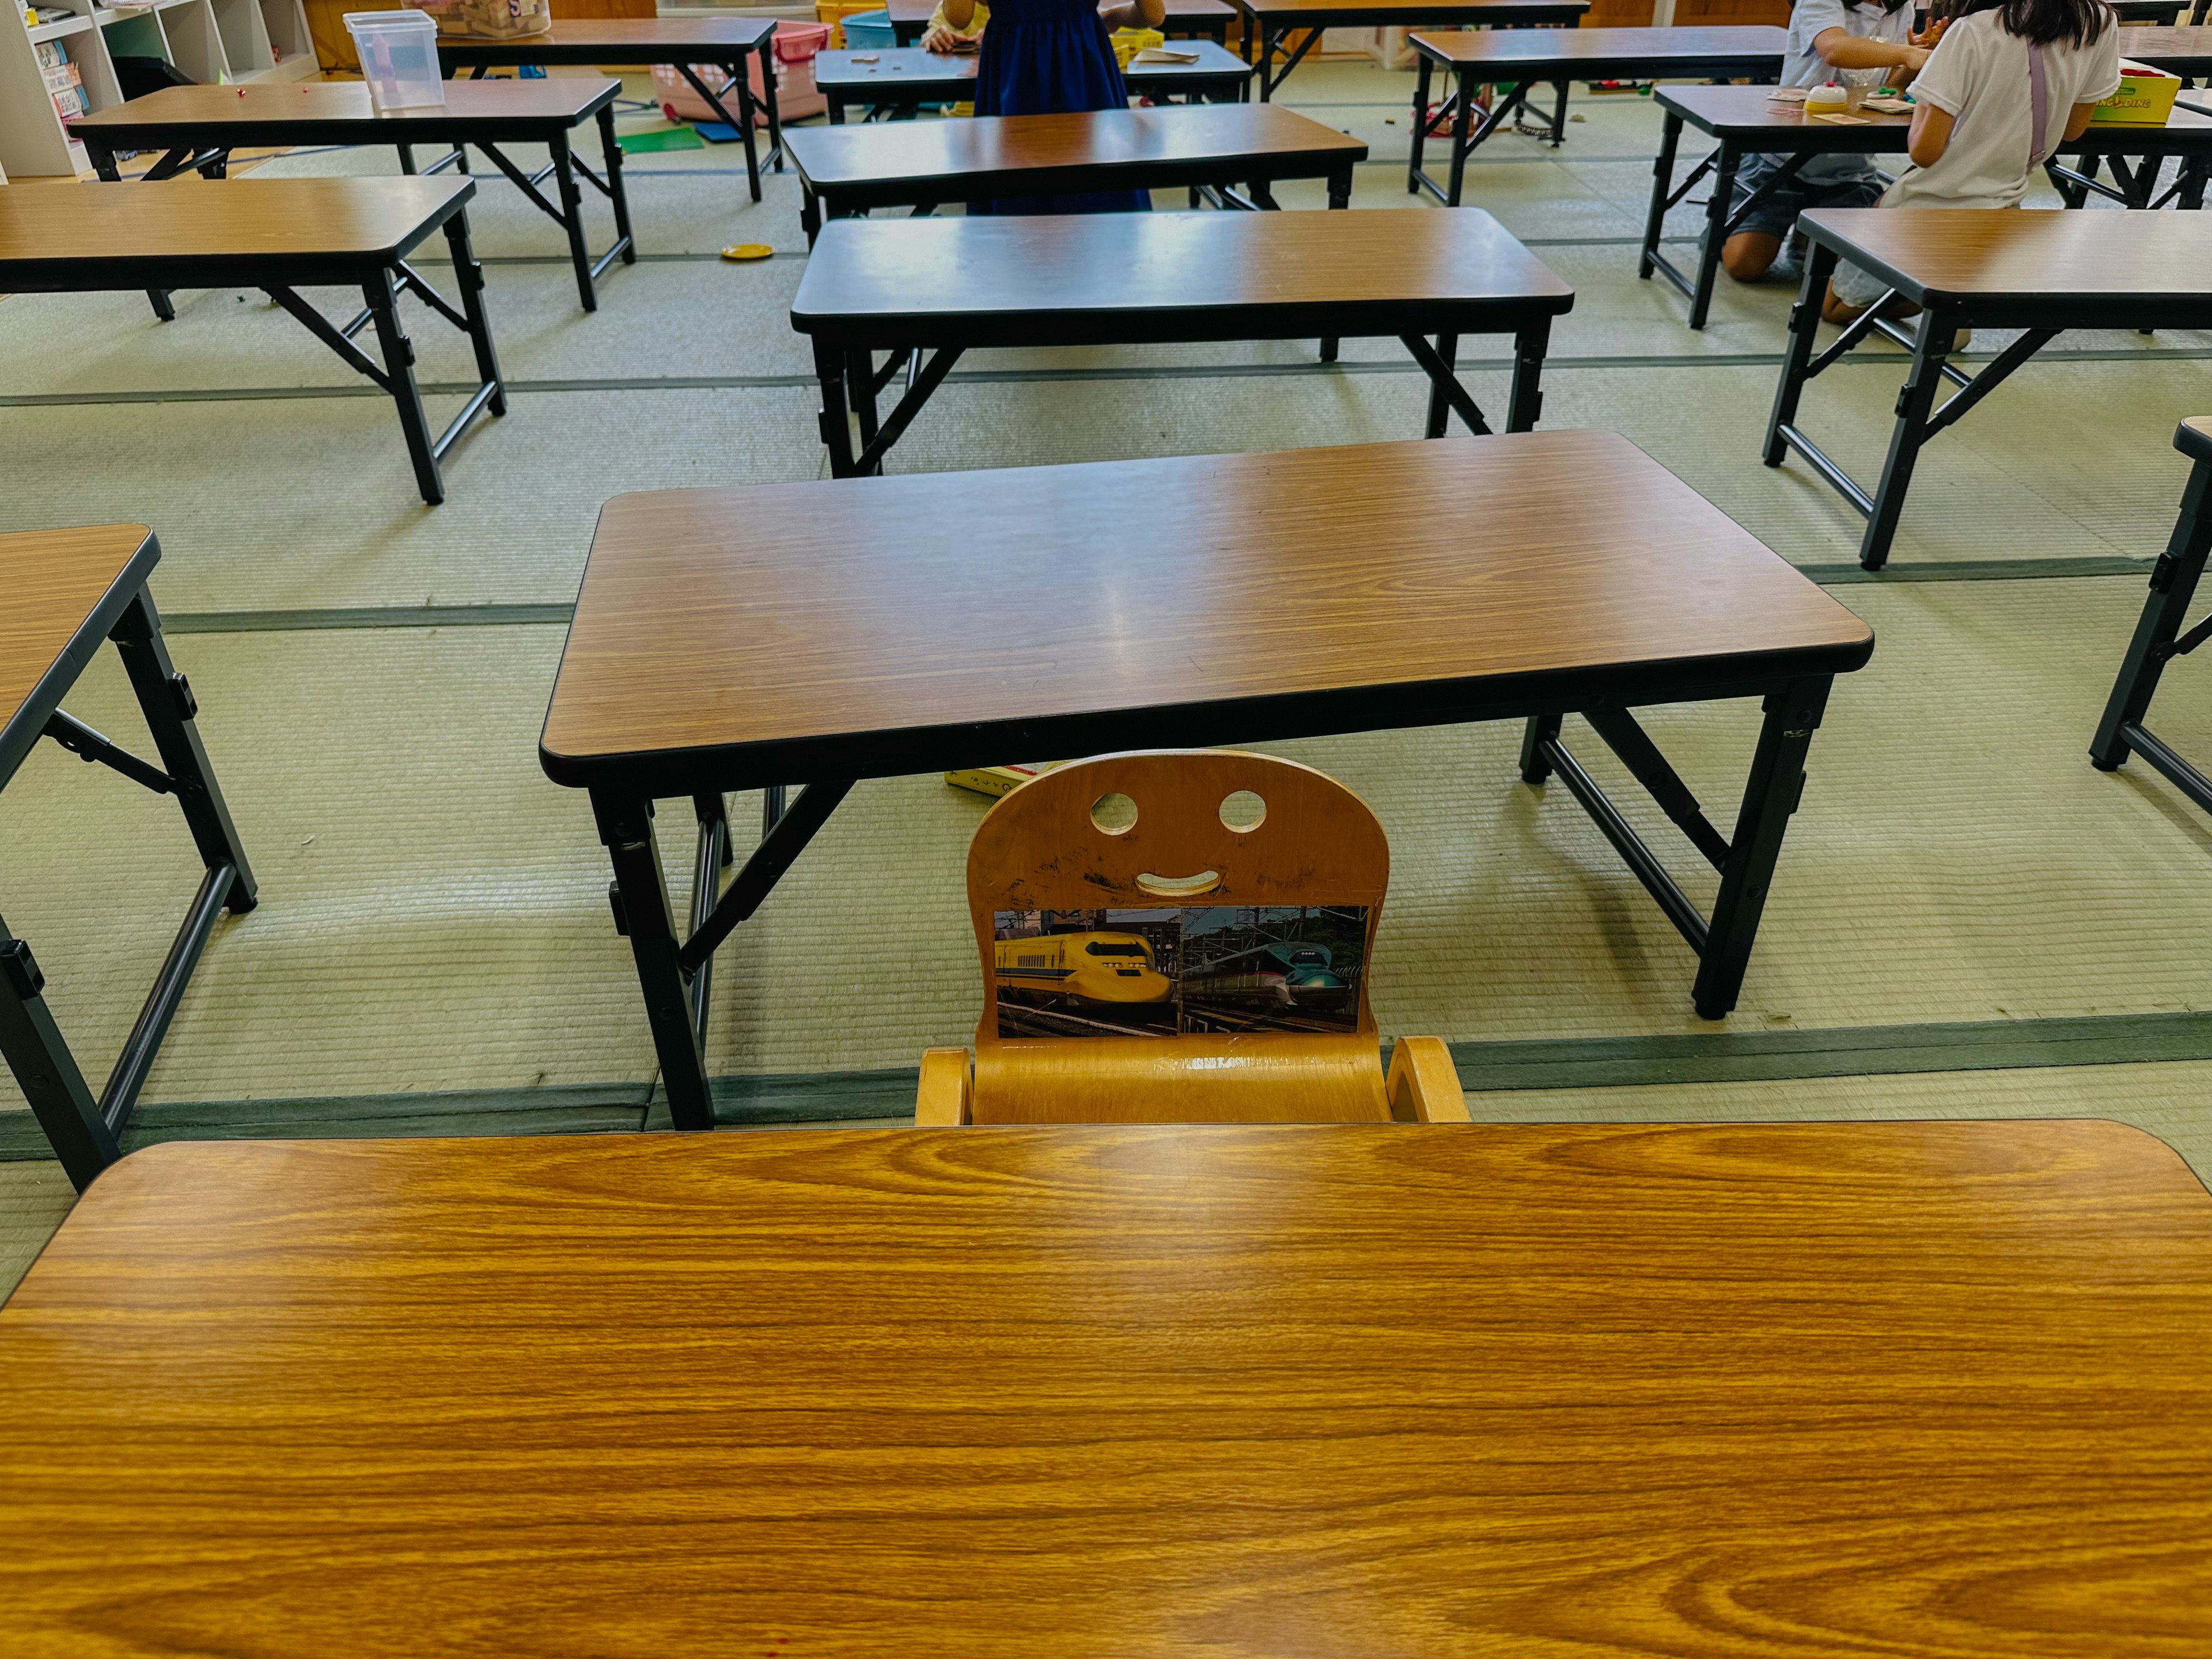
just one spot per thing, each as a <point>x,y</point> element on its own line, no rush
<point>1113,814</point>
<point>1242,811</point>
<point>1179,887</point>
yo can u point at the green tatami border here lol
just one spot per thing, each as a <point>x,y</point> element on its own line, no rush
<point>1768,1056</point>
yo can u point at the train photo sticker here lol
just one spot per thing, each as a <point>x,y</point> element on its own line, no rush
<point>1218,969</point>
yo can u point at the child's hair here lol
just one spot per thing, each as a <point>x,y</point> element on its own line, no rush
<point>2077,22</point>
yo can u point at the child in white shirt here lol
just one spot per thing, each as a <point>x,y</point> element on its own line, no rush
<point>1826,38</point>
<point>2010,81</point>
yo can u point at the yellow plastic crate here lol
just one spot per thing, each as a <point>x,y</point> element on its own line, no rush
<point>835,12</point>
<point>1127,43</point>
<point>2143,100</point>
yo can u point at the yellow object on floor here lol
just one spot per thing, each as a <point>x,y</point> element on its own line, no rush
<point>749,251</point>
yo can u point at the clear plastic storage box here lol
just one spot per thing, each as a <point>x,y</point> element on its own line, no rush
<point>398,57</point>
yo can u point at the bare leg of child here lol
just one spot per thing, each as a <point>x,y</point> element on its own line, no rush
<point>1748,255</point>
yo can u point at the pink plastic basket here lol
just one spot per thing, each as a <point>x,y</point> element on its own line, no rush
<point>795,94</point>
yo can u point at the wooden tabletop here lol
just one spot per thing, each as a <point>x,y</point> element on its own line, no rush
<point>1180,13</point>
<point>995,154</point>
<point>870,627</point>
<point>103,236</point>
<point>907,71</point>
<point>1377,13</point>
<point>1768,1391</point>
<point>2177,51</point>
<point>1950,255</point>
<point>619,40</point>
<point>1749,113</point>
<point>64,590</point>
<point>1086,278</point>
<point>1607,53</point>
<point>340,110</point>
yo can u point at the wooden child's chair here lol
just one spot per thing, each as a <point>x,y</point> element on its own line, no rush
<point>1268,1034</point>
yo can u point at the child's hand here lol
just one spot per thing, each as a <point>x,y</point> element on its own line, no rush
<point>942,40</point>
<point>1913,59</point>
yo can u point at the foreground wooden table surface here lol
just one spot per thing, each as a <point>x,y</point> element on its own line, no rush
<point>1333,1390</point>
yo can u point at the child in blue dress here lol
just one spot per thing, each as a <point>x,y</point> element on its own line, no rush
<point>1054,58</point>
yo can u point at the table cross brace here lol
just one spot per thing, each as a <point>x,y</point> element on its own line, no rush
<point>1447,385</point>
<point>1746,860</point>
<point>337,339</point>
<point>89,745</point>
<point>774,855</point>
<point>1272,41</point>
<point>2173,581</point>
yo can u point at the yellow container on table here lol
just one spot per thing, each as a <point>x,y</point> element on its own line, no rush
<point>2145,98</point>
<point>1127,43</point>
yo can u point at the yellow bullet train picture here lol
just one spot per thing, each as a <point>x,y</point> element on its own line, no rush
<point>1096,967</point>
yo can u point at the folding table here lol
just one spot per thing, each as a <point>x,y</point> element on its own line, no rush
<point>818,634</point>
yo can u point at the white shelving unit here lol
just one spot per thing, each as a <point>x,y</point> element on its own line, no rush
<point>212,41</point>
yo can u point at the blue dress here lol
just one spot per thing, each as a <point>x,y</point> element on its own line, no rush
<point>1051,57</point>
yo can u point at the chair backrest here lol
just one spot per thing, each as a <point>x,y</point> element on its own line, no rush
<point>1178,934</point>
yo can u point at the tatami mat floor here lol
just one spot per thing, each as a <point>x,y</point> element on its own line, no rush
<point>433,946</point>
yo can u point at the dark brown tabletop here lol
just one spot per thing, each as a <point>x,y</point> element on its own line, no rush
<point>2083,261</point>
<point>2176,50</point>
<point>1026,155</point>
<point>909,74</point>
<point>1093,278</point>
<point>620,40</point>
<point>911,17</point>
<point>217,233</point>
<point>1747,116</point>
<point>1607,53</point>
<point>339,112</point>
<point>1323,14</point>
<point>786,632</point>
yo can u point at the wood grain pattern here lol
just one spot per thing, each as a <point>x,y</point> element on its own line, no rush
<point>1960,252</point>
<point>1787,1391</point>
<point>1181,14</point>
<point>343,107</point>
<point>183,219</point>
<point>1375,13</point>
<point>898,68</point>
<point>1618,51</point>
<point>1146,267</point>
<point>1316,844</point>
<point>788,613</point>
<point>53,582</point>
<point>1004,145</point>
<point>620,40</point>
<point>2177,51</point>
<point>1747,113</point>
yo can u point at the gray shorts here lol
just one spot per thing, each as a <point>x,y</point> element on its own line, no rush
<point>1855,286</point>
<point>1777,214</point>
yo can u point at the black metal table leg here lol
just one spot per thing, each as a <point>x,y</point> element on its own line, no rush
<point>1462,131</point>
<point>2158,640</point>
<point>769,97</point>
<point>39,1055</point>
<point>1914,405</point>
<point>407,159</point>
<point>468,273</point>
<point>1770,797</point>
<point>618,192</point>
<point>1527,403</point>
<point>1804,327</point>
<point>572,218</point>
<point>1425,75</point>
<point>1541,731</point>
<point>860,387</point>
<point>1662,186</point>
<point>1717,218</point>
<point>1447,350</point>
<point>836,426</point>
<point>383,301</point>
<point>640,895</point>
<point>166,699</point>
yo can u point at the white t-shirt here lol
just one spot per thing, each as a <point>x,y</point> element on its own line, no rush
<point>1801,66</point>
<point>1978,73</point>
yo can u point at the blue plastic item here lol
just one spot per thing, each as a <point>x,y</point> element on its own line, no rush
<point>870,31</point>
